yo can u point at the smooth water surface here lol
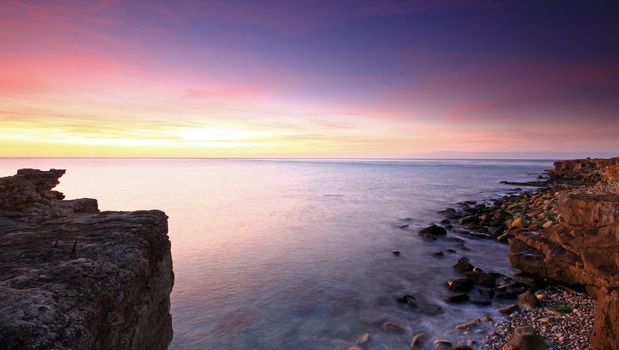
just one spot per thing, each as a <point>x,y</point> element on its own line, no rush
<point>296,254</point>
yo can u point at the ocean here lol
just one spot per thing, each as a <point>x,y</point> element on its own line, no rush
<point>296,254</point>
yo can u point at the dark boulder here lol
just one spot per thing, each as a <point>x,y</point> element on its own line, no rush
<point>460,284</point>
<point>457,299</point>
<point>463,265</point>
<point>432,232</point>
<point>484,279</point>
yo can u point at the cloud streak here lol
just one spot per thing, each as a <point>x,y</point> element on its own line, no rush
<point>280,78</point>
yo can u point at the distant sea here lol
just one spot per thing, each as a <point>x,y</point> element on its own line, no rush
<point>296,254</point>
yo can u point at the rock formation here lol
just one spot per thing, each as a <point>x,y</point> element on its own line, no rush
<point>583,249</point>
<point>76,278</point>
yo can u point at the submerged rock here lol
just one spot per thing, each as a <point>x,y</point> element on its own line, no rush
<point>463,265</point>
<point>407,300</point>
<point>432,232</point>
<point>419,339</point>
<point>460,284</point>
<point>392,327</point>
<point>457,299</point>
<point>73,277</point>
<point>361,342</point>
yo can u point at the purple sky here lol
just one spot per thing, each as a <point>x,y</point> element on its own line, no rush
<point>310,78</point>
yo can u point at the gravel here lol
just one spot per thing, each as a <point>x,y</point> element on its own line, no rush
<point>560,331</point>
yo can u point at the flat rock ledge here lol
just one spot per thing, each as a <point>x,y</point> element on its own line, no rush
<point>72,277</point>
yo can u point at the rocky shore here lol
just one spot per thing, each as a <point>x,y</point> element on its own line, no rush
<point>73,277</point>
<point>563,233</point>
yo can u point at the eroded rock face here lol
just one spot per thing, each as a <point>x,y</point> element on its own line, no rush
<point>72,277</point>
<point>29,193</point>
<point>606,326</point>
<point>583,249</point>
<point>585,171</point>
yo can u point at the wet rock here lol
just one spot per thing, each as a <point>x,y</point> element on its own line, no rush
<point>519,223</point>
<point>526,183</point>
<point>468,325</point>
<point>450,213</point>
<point>445,222</point>
<point>407,300</point>
<point>442,344</point>
<point>469,220</point>
<point>510,309</point>
<point>481,278</point>
<point>486,292</point>
<point>403,226</point>
<point>392,327</point>
<point>528,300</point>
<point>431,310</point>
<point>419,339</point>
<point>463,265</point>
<point>432,232</point>
<point>361,342</point>
<point>457,299</point>
<point>505,237</point>
<point>438,254</point>
<point>481,301</point>
<point>525,339</point>
<point>396,253</point>
<point>461,284</point>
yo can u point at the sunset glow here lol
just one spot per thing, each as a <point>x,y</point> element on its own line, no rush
<point>300,79</point>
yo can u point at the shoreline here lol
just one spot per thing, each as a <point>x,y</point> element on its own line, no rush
<point>552,311</point>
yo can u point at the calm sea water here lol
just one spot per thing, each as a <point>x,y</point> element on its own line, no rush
<point>296,254</point>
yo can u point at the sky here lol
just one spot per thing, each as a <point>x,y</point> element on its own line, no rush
<point>309,78</point>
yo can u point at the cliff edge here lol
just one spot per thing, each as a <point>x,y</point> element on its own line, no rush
<point>73,277</point>
<point>583,248</point>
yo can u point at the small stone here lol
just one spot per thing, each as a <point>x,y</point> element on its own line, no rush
<point>396,253</point>
<point>528,300</point>
<point>419,339</point>
<point>392,327</point>
<point>461,347</point>
<point>363,339</point>
<point>442,344</point>
<point>510,309</point>
<point>548,224</point>
<point>525,339</point>
<point>468,325</point>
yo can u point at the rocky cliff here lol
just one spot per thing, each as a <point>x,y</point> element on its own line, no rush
<point>583,249</point>
<point>72,277</point>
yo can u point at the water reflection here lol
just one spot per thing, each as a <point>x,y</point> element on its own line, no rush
<point>297,254</point>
